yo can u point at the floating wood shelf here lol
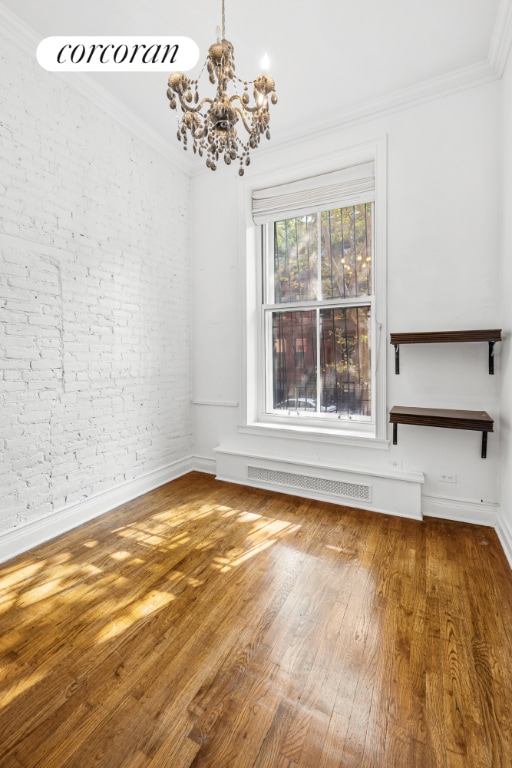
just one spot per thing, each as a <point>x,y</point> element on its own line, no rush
<point>443,337</point>
<point>478,421</point>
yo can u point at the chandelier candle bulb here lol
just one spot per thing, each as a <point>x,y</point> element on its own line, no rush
<point>211,122</point>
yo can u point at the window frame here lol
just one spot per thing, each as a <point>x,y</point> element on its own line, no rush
<point>267,309</point>
<point>255,378</point>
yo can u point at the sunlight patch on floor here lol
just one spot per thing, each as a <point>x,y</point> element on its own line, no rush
<point>120,555</point>
<point>40,592</point>
<point>247,555</point>
<point>149,538</point>
<point>247,517</point>
<point>151,603</point>
<point>259,538</point>
<point>10,694</point>
<point>90,544</point>
<point>15,576</point>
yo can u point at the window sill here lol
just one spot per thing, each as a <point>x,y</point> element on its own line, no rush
<point>316,434</point>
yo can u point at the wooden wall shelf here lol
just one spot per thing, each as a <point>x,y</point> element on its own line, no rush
<point>478,421</point>
<point>443,337</point>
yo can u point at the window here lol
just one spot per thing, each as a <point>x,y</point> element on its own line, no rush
<point>317,314</point>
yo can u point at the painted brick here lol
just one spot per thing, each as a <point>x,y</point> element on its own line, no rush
<point>94,310</point>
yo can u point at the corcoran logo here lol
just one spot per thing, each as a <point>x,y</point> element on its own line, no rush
<point>117,54</point>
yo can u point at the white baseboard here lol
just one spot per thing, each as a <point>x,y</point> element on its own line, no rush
<point>32,534</point>
<point>460,510</point>
<point>203,464</point>
<point>504,531</point>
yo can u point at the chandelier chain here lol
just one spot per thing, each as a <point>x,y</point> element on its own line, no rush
<point>223,22</point>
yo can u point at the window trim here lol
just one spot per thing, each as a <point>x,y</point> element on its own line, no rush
<point>253,380</point>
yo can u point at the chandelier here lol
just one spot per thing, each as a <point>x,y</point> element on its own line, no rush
<point>211,123</point>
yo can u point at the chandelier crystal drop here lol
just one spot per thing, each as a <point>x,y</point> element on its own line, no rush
<point>212,123</point>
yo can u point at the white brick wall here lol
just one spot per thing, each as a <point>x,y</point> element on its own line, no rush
<point>94,299</point>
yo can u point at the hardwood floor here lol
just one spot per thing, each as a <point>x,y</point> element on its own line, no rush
<point>206,624</point>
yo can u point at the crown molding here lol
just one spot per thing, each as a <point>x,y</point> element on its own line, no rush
<point>25,38</point>
<point>17,31</point>
<point>429,90</point>
<point>396,101</point>
<point>501,41</point>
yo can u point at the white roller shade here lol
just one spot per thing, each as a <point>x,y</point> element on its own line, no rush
<point>338,189</point>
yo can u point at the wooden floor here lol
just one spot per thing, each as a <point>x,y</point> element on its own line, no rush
<point>207,624</point>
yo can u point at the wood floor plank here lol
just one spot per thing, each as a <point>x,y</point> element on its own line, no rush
<point>269,753</point>
<point>314,741</point>
<point>175,753</point>
<point>245,719</point>
<point>206,624</point>
<point>404,752</point>
<point>334,741</point>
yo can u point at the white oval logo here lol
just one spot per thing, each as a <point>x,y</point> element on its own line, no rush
<point>117,54</point>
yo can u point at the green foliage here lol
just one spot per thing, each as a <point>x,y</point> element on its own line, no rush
<point>346,255</point>
<point>344,236</point>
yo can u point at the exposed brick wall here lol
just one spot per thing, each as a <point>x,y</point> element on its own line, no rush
<point>94,299</point>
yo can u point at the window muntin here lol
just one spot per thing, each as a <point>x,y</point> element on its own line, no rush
<point>318,355</point>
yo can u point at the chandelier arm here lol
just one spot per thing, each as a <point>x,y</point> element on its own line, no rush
<point>200,105</point>
<point>245,107</point>
<point>186,108</point>
<point>244,121</point>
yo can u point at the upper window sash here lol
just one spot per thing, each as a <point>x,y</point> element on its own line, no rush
<point>329,257</point>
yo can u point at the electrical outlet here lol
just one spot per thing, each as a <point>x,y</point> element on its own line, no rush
<point>448,478</point>
<point>395,463</point>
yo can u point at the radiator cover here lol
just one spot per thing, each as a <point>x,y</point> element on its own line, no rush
<point>335,488</point>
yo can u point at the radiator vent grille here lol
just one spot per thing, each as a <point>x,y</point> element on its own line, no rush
<point>291,480</point>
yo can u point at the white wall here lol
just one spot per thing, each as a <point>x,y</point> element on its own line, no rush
<point>94,300</point>
<point>505,527</point>
<point>442,274</point>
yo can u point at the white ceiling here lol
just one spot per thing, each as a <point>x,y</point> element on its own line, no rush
<point>328,57</point>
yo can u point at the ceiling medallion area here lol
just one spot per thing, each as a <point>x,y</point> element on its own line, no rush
<point>211,123</point>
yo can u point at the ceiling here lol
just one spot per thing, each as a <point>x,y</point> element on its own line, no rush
<point>328,57</point>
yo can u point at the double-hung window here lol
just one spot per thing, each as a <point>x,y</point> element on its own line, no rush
<point>317,301</point>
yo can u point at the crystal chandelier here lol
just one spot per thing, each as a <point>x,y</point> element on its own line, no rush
<point>212,122</point>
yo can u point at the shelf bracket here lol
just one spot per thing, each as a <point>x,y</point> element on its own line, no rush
<point>395,434</point>
<point>397,358</point>
<point>491,357</point>
<point>484,445</point>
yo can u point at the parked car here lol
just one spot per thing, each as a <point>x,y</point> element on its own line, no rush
<point>303,404</point>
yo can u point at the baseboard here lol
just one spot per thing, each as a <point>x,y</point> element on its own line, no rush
<point>504,531</point>
<point>460,510</point>
<point>32,534</point>
<point>203,464</point>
